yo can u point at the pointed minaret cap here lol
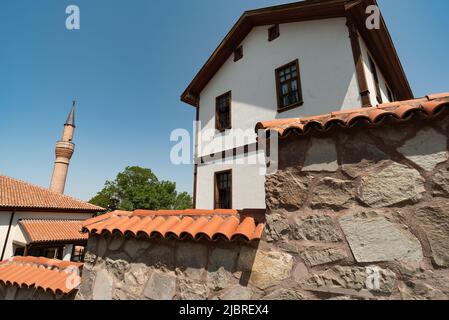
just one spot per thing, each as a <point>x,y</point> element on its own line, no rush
<point>71,117</point>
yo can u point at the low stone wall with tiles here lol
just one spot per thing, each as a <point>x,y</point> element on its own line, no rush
<point>122,269</point>
<point>16,293</point>
<point>363,212</point>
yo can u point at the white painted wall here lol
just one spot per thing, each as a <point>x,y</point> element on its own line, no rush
<point>370,77</point>
<point>16,234</point>
<point>327,74</point>
<point>328,80</point>
<point>248,183</point>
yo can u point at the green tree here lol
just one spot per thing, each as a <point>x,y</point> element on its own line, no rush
<point>139,188</point>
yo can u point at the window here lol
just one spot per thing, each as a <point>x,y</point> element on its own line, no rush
<point>288,85</point>
<point>19,251</point>
<point>376,79</point>
<point>273,32</point>
<point>223,112</point>
<point>238,53</point>
<point>223,190</point>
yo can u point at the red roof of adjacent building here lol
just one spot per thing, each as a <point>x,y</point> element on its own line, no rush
<point>428,106</point>
<point>54,276</point>
<point>20,195</point>
<point>38,231</point>
<point>193,224</point>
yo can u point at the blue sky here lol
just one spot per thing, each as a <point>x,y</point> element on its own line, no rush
<point>127,67</point>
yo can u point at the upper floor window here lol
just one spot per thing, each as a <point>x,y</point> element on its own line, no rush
<point>223,112</point>
<point>238,53</point>
<point>376,80</point>
<point>273,32</point>
<point>223,190</point>
<point>288,85</point>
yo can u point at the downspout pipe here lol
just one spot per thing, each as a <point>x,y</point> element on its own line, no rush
<point>13,213</point>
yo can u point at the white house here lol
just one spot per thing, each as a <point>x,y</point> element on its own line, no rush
<point>295,60</point>
<point>35,221</point>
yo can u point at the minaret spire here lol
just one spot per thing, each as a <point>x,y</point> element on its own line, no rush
<point>64,151</point>
<point>71,117</point>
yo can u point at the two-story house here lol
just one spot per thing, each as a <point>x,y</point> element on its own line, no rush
<point>295,60</point>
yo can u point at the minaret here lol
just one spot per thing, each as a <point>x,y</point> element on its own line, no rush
<point>64,151</point>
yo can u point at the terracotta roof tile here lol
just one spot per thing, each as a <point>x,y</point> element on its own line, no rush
<point>53,230</point>
<point>16,194</point>
<point>49,275</point>
<point>428,106</point>
<point>193,224</point>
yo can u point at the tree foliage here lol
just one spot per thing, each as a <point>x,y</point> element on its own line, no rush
<point>139,188</point>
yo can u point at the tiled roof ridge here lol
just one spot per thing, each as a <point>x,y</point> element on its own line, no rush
<point>43,189</point>
<point>50,275</point>
<point>430,105</point>
<point>46,230</point>
<point>225,224</point>
<point>48,263</point>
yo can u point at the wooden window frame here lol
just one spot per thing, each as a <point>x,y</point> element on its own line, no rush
<point>273,32</point>
<point>238,53</point>
<point>217,122</point>
<point>216,192</point>
<point>281,107</point>
<point>375,74</point>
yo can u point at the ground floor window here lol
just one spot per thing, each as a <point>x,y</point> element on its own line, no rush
<point>223,190</point>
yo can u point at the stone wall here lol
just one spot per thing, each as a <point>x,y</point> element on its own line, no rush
<point>16,293</point>
<point>121,269</point>
<point>352,214</point>
<point>364,213</point>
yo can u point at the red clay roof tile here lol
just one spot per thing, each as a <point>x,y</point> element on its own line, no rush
<point>54,276</point>
<point>53,230</point>
<point>193,224</point>
<point>16,194</point>
<point>428,106</point>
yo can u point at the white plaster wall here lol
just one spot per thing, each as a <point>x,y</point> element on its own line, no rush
<point>328,77</point>
<point>17,235</point>
<point>370,77</point>
<point>248,183</point>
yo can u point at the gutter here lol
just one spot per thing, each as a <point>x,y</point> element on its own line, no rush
<point>7,234</point>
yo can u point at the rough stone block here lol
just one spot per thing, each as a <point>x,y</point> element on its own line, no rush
<point>191,290</point>
<point>135,247</point>
<point>102,289</point>
<point>316,228</point>
<point>434,220</point>
<point>192,259</point>
<point>161,286</point>
<point>427,149</point>
<point>276,227</point>
<point>440,183</point>
<point>284,294</point>
<point>321,156</point>
<point>266,268</point>
<point>395,185</point>
<point>360,153</point>
<point>286,189</point>
<point>135,279</point>
<point>373,238</point>
<point>357,280</point>
<point>319,256</point>
<point>332,194</point>
<point>238,293</point>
